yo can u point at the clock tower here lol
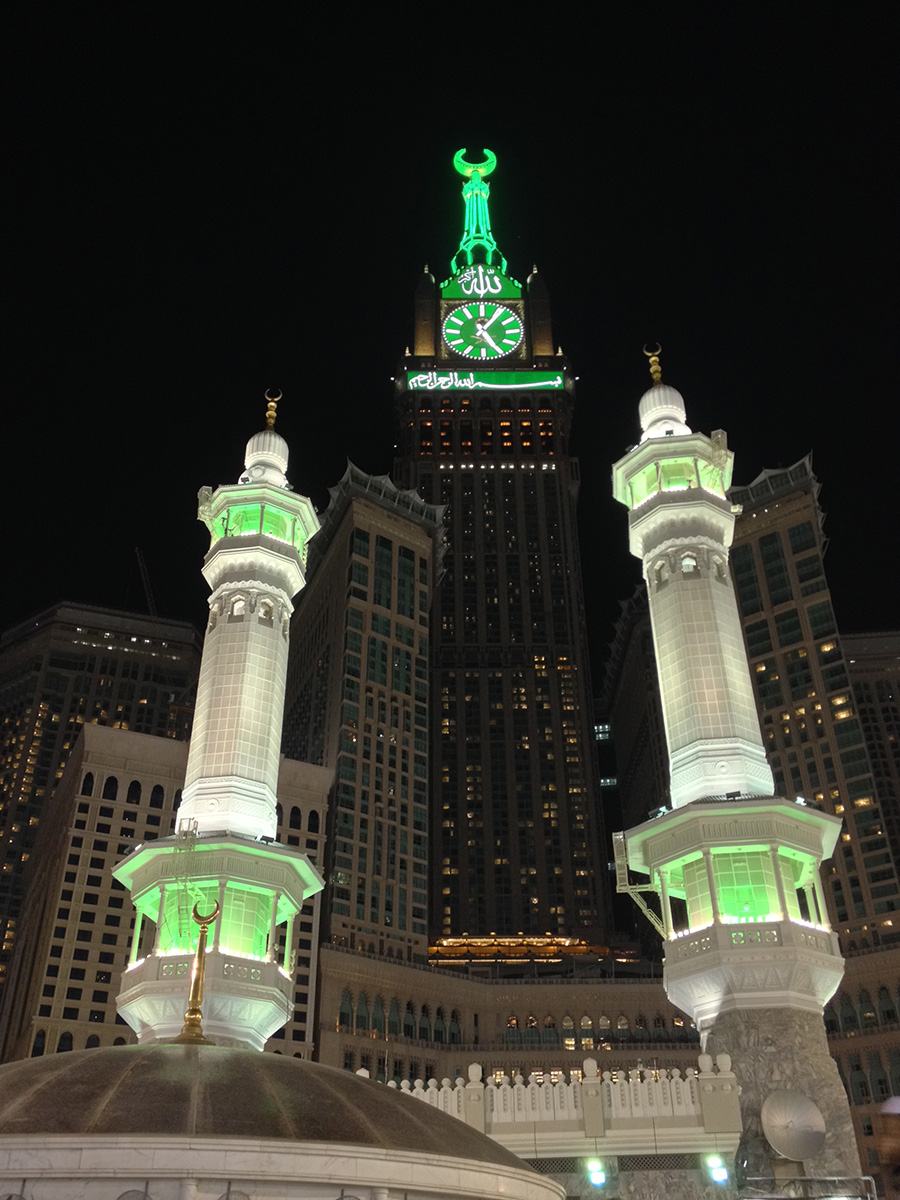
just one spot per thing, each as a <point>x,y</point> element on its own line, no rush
<point>484,409</point>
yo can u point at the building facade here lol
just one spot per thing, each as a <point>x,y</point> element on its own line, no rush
<point>484,412</point>
<point>357,703</point>
<point>815,740</point>
<point>71,666</point>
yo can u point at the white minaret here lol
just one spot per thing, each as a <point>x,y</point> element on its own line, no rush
<point>224,854</point>
<point>749,952</point>
<point>681,526</point>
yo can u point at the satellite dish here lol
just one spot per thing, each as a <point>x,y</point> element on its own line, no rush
<point>793,1124</point>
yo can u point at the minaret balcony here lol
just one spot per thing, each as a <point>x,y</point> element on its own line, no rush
<point>245,999</point>
<point>728,966</point>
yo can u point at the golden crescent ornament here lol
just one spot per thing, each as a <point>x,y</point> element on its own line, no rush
<point>273,399</point>
<point>206,920</point>
<point>653,353</point>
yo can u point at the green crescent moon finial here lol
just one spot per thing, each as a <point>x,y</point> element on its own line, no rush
<point>469,169</point>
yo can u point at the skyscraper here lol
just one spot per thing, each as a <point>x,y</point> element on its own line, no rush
<point>814,737</point>
<point>484,412</point>
<point>70,666</point>
<point>358,704</point>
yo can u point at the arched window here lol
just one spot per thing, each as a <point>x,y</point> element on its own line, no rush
<point>659,1028</point>
<point>111,788</point>
<point>157,796</point>
<point>878,1079</point>
<point>279,815</point>
<point>587,1033</point>
<point>394,1018</point>
<point>296,818</point>
<point>532,1032</point>
<point>378,1016</point>
<point>313,822</point>
<point>860,1093</point>
<point>867,1010</point>
<point>424,1024</point>
<point>549,1035</point>
<point>894,1065</point>
<point>92,1041</point>
<point>119,1042</point>
<point>87,786</point>
<point>134,793</point>
<point>439,1027</point>
<point>345,1016</point>
<point>64,1043</point>
<point>849,1017</point>
<point>238,607</point>
<point>688,564</point>
<point>176,800</point>
<point>831,1021</point>
<point>266,610</point>
<point>622,1027</point>
<point>362,1012</point>
<point>409,1021</point>
<point>887,1013</point>
<point>568,1026</point>
<point>455,1032</point>
<point>37,1046</point>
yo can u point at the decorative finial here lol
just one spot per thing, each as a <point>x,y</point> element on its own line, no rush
<point>469,169</point>
<point>271,409</point>
<point>192,1030</point>
<point>655,368</point>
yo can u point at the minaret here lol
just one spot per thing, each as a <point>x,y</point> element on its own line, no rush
<point>224,855</point>
<point>749,952</point>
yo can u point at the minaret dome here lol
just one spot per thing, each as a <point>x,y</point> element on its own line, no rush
<point>266,459</point>
<point>662,412</point>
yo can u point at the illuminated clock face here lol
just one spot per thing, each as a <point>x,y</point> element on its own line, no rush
<point>483,330</point>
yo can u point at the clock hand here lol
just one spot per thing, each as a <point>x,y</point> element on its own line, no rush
<point>487,324</point>
<point>486,337</point>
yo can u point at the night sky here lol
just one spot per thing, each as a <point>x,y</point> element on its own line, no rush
<point>212,200</point>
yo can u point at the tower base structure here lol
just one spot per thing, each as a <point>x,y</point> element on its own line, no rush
<point>749,954</point>
<point>777,1049</point>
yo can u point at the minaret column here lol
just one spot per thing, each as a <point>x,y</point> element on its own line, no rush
<point>753,975</point>
<point>225,856</point>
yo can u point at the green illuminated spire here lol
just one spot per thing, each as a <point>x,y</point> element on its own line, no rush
<point>477,245</point>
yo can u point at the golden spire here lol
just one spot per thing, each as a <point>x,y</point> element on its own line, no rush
<point>271,411</point>
<point>192,1029</point>
<point>655,368</point>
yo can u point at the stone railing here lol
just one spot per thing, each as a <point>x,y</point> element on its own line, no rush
<point>668,1110</point>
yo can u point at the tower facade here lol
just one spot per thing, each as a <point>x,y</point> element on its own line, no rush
<point>749,951</point>
<point>484,411</point>
<point>223,857</point>
<point>358,704</point>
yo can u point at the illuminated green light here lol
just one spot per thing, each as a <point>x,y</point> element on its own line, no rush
<point>245,520</point>
<point>473,381</point>
<point>477,245</point>
<point>480,281</point>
